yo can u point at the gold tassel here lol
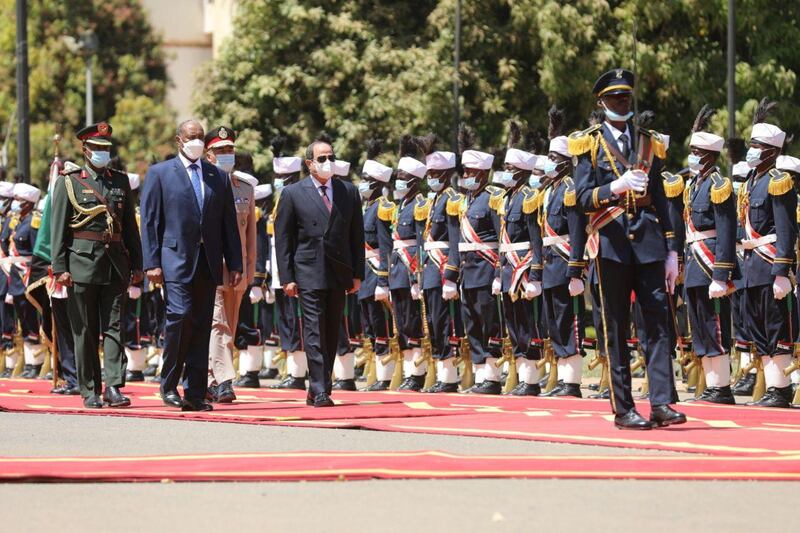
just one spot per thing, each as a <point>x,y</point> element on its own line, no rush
<point>570,196</point>
<point>779,182</point>
<point>673,184</point>
<point>259,213</point>
<point>36,221</point>
<point>454,206</point>
<point>580,142</point>
<point>421,211</point>
<point>531,203</point>
<point>496,200</point>
<point>659,147</point>
<point>386,210</point>
<point>721,189</point>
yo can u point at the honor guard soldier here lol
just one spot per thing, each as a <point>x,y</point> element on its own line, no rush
<point>516,258</point>
<point>97,254</point>
<point>563,228</point>
<point>404,262</point>
<point>476,237</point>
<point>767,207</point>
<point>441,167</point>
<point>710,218</point>
<point>287,171</point>
<point>633,244</point>
<point>220,146</point>
<point>20,249</point>
<point>373,295</point>
<point>7,321</point>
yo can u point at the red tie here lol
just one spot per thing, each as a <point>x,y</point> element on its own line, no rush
<point>324,190</point>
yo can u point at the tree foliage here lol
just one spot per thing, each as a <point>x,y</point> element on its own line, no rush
<point>129,78</point>
<point>359,69</point>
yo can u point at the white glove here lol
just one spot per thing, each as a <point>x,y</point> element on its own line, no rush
<point>449,290</point>
<point>497,287</point>
<point>632,180</point>
<point>575,286</point>
<point>416,294</point>
<point>781,287</point>
<point>256,294</point>
<point>134,292</point>
<point>381,294</point>
<point>9,299</point>
<point>269,296</point>
<point>717,289</point>
<point>532,290</point>
<point>671,271</point>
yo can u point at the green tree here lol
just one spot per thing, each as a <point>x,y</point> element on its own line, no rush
<point>129,78</point>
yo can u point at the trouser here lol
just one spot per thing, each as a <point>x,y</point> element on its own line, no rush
<point>28,319</point>
<point>711,322</point>
<point>769,324</point>
<point>154,311</point>
<point>376,325</point>
<point>519,319</point>
<point>134,323</point>
<point>564,320</point>
<point>290,324</point>
<point>65,341</point>
<point>481,323</point>
<point>409,318</point>
<point>322,317</point>
<point>227,302</point>
<point>96,310</point>
<point>617,280</point>
<point>439,323</point>
<point>187,330</point>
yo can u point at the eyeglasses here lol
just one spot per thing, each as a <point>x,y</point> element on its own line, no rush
<point>323,158</point>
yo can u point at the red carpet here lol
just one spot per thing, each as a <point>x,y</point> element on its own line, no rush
<point>712,430</point>
<point>322,466</point>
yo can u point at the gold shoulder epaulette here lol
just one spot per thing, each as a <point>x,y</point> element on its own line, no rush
<point>658,143</point>
<point>386,210</point>
<point>673,184</point>
<point>259,213</point>
<point>580,142</point>
<point>454,203</point>
<point>36,220</point>
<point>779,182</point>
<point>496,198</point>
<point>422,209</point>
<point>14,221</point>
<point>570,197</point>
<point>721,188</point>
<point>532,202</point>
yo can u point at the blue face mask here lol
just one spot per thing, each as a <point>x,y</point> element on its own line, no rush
<point>551,168</point>
<point>753,157</point>
<point>278,183</point>
<point>365,188</point>
<point>225,162</point>
<point>100,159</point>
<point>505,178</point>
<point>16,205</point>
<point>534,181</point>
<point>469,183</point>
<point>695,164</point>
<point>435,185</point>
<point>616,117</point>
<point>400,189</point>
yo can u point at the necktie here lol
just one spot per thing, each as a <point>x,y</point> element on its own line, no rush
<point>324,190</point>
<point>626,148</point>
<point>197,186</point>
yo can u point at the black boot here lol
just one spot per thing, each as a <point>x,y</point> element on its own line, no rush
<point>150,371</point>
<point>555,390</point>
<point>775,397</point>
<point>291,382</point>
<point>134,375</point>
<point>442,387</point>
<point>27,372</point>
<point>487,387</point>
<point>248,381</point>
<point>268,373</point>
<point>720,395</point>
<point>566,390</point>
<point>745,385</point>
<point>526,389</point>
<point>379,386</point>
<point>413,384</point>
<point>344,384</point>
<point>225,392</point>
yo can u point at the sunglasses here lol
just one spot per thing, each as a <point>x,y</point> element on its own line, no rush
<point>323,158</point>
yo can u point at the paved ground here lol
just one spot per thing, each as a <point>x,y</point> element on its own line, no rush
<point>481,505</point>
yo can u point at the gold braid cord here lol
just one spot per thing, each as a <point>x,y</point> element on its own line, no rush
<point>89,214</point>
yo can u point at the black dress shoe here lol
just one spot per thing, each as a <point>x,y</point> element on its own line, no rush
<point>35,371</point>
<point>486,387</point>
<point>26,372</point>
<point>72,391</point>
<point>526,389</point>
<point>172,399</point>
<point>225,392</point>
<point>290,382</point>
<point>379,386</point>
<point>719,395</point>
<point>593,386</point>
<point>6,373</point>
<point>192,405</point>
<point>632,420</point>
<point>150,371</point>
<point>572,390</point>
<point>134,375</point>
<point>442,387</point>
<point>664,415</point>
<point>775,397</point>
<point>344,384</point>
<point>114,398</point>
<point>605,395</point>
<point>59,389</point>
<point>268,373</point>
<point>211,393</point>
<point>413,384</point>
<point>248,381</point>
<point>93,402</point>
<point>745,385</point>
<point>322,400</point>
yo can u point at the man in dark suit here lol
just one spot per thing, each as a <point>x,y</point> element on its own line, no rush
<point>320,255</point>
<point>188,226</point>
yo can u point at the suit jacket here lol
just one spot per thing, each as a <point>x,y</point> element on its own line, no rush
<point>314,248</point>
<point>173,228</point>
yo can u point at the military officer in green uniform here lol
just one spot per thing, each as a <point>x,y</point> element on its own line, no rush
<point>97,254</point>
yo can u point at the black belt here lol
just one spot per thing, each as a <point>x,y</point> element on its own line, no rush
<point>98,236</point>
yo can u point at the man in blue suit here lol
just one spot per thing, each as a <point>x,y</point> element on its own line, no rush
<point>188,226</point>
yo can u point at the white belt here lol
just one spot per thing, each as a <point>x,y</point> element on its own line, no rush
<point>408,243</point>
<point>750,244</point>
<point>476,246</point>
<point>514,247</point>
<point>552,241</point>
<point>694,236</point>
<point>370,254</point>
<point>436,245</point>
<point>15,259</point>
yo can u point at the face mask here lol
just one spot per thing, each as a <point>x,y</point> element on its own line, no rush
<point>193,149</point>
<point>436,185</point>
<point>99,159</point>
<point>385,192</point>
<point>469,183</point>
<point>16,205</point>
<point>324,170</point>
<point>225,162</point>
<point>534,181</point>
<point>278,184</point>
<point>365,189</point>
<point>695,162</point>
<point>551,169</point>
<point>504,178</point>
<point>400,189</point>
<point>753,157</point>
<point>616,117</point>
<point>736,186</point>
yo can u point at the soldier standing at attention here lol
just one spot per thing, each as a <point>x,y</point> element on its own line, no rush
<point>97,254</point>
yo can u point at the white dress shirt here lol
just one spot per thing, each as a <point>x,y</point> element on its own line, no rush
<point>617,134</point>
<point>186,163</point>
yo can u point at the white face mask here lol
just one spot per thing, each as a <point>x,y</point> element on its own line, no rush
<point>754,157</point>
<point>534,181</point>
<point>435,185</point>
<point>400,189</point>
<point>193,150</point>
<point>225,162</point>
<point>324,170</point>
<point>365,189</point>
<point>278,183</point>
<point>695,163</point>
<point>470,183</point>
